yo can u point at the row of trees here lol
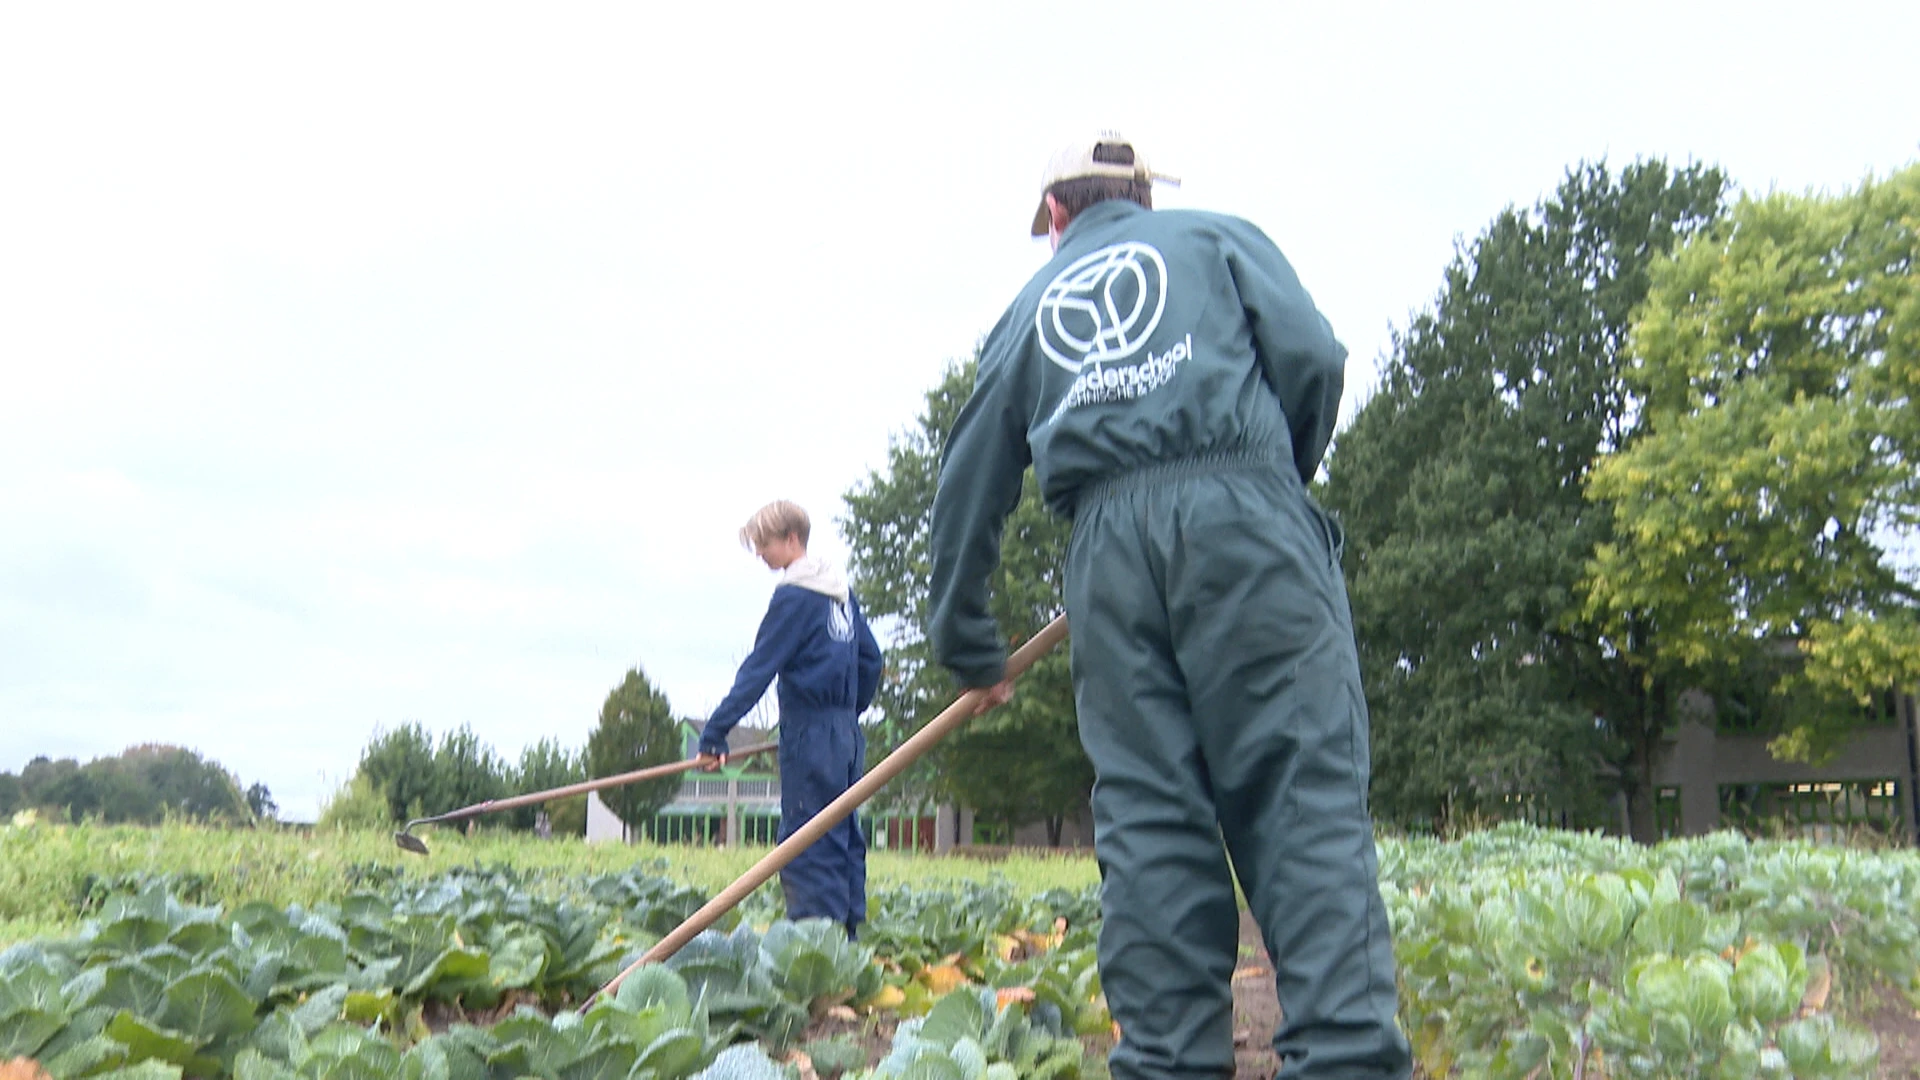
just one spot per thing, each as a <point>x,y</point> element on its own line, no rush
<point>1645,442</point>
<point>404,773</point>
<point>144,785</point>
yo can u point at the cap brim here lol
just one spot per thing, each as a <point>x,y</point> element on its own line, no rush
<point>1042,221</point>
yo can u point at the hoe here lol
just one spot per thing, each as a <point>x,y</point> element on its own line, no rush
<point>410,842</point>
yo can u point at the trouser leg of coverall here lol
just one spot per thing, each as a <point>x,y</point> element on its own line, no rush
<point>818,764</point>
<point>1214,693</point>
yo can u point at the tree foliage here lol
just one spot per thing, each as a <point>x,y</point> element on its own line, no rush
<point>1461,486</point>
<point>466,771</point>
<point>418,778</point>
<point>355,806</point>
<point>1017,764</point>
<point>1764,506</point>
<point>399,765</point>
<point>144,785</point>
<point>260,801</point>
<point>547,765</point>
<point>637,731</point>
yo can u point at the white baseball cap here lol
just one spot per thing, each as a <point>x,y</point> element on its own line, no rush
<point>1077,159</point>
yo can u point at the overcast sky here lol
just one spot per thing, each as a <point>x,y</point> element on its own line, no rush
<point>375,363</point>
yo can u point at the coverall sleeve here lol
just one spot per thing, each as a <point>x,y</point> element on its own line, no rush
<point>981,467</point>
<point>871,662</point>
<point>779,636</point>
<point>1304,363</point>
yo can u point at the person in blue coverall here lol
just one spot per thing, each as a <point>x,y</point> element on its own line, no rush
<point>816,642</point>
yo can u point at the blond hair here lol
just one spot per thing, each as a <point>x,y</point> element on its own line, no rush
<point>773,521</point>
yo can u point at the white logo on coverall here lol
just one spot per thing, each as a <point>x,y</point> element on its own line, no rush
<point>1104,306</point>
<point>1103,309</point>
<point>840,622</point>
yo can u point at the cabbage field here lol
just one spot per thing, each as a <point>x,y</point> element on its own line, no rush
<point>179,952</point>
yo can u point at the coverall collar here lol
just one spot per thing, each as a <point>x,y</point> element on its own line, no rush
<point>1100,213</point>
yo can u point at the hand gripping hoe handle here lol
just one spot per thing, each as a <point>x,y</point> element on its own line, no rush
<point>962,710</point>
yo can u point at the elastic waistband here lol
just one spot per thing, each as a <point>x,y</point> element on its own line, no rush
<point>1262,459</point>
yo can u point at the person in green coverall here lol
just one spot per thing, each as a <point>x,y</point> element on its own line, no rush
<point>1174,388</point>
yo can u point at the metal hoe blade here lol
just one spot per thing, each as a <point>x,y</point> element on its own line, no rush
<point>410,842</point>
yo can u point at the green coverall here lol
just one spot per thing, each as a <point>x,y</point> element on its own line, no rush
<point>1173,386</point>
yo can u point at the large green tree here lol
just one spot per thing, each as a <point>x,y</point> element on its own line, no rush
<point>466,771</point>
<point>399,765</point>
<point>1017,764</point>
<point>1770,505</point>
<point>1461,486</point>
<point>547,765</point>
<point>637,731</point>
<point>185,784</point>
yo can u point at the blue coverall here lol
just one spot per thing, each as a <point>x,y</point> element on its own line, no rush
<point>828,663</point>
